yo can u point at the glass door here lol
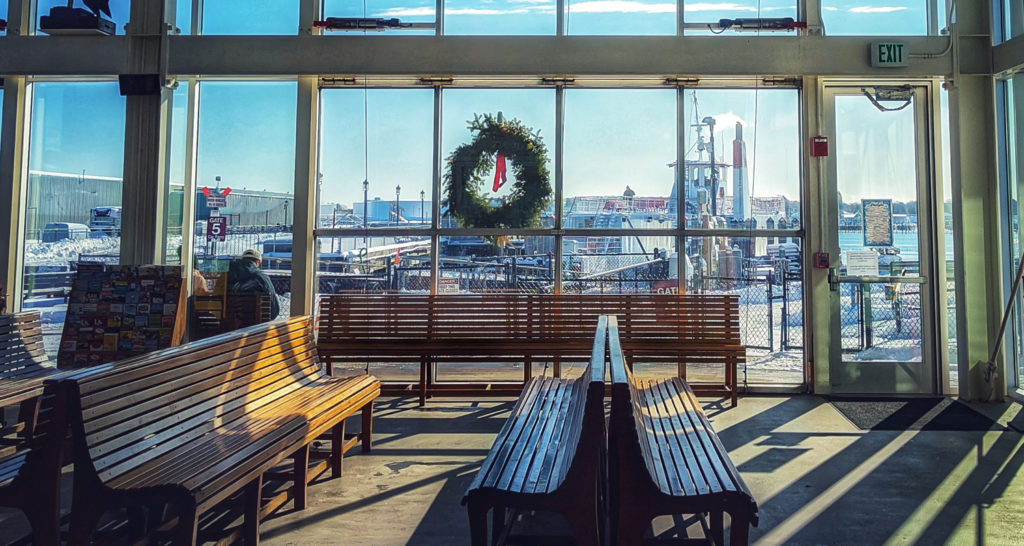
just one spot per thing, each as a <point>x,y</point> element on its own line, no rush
<point>878,195</point>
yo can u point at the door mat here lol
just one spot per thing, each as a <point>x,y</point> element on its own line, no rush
<point>944,414</point>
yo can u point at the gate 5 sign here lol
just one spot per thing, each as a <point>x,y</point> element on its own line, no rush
<point>217,228</point>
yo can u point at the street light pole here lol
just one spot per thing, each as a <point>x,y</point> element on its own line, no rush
<point>423,219</point>
<point>398,193</point>
<point>366,188</point>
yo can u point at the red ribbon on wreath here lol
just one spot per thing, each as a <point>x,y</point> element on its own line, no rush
<point>499,172</point>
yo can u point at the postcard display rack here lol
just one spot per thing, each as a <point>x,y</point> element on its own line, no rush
<point>116,311</point>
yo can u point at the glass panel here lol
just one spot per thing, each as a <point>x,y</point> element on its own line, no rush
<point>4,15</point>
<point>877,180</point>
<point>176,174</point>
<point>947,231</point>
<point>246,138</point>
<point>374,265</point>
<point>413,11</point>
<point>248,18</point>
<point>391,150</point>
<point>496,264</point>
<point>183,16</point>
<point>1013,19</point>
<point>119,12</point>
<point>620,150</point>
<point>500,17</point>
<point>703,11</point>
<point>742,159</point>
<point>535,108</point>
<point>641,17</point>
<point>855,17</point>
<point>73,200</point>
<point>621,264</point>
<point>769,282</point>
<point>1015,176</point>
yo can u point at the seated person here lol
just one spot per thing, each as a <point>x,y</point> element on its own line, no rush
<point>245,277</point>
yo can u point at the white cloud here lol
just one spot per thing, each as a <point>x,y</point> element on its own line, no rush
<point>620,6</point>
<point>549,2</point>
<point>407,12</point>
<point>878,9</point>
<point>726,123</point>
<point>830,8</point>
<point>717,6</point>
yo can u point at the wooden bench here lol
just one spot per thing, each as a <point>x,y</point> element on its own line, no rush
<point>31,449</point>
<point>191,426</point>
<point>677,329</point>
<point>665,458</point>
<point>548,454</point>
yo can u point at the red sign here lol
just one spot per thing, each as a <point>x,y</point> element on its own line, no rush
<point>217,228</point>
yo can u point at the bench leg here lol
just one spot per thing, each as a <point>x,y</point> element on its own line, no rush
<point>631,530</point>
<point>586,524</point>
<point>251,518</point>
<point>85,514</point>
<point>299,477</point>
<point>739,530</point>
<point>477,524</point>
<point>366,432</point>
<point>424,372</point>
<point>497,522</point>
<point>188,526</point>
<point>337,449</point>
<point>718,527</point>
<point>44,519</point>
<point>28,413</point>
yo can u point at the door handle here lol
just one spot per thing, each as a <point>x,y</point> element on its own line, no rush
<point>833,279</point>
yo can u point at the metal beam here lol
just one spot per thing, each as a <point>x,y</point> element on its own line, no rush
<point>581,55</point>
<point>13,179</point>
<point>146,143</point>
<point>1008,57</point>
<point>975,180</point>
<point>475,55</point>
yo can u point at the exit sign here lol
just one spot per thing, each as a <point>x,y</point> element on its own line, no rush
<point>888,54</point>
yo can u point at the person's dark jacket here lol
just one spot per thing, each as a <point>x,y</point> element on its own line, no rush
<point>245,277</point>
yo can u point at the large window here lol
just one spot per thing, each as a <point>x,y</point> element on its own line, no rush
<point>247,18</point>
<point>245,176</point>
<point>499,17</point>
<point>702,17</point>
<point>742,180</point>
<point>1014,177</point>
<point>376,158</point>
<point>412,11</point>
<point>620,206</point>
<point>119,11</point>
<point>640,17</point>
<point>73,201</point>
<point>893,18</point>
<point>619,149</point>
<point>535,108</point>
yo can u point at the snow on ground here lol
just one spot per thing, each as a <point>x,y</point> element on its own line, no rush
<point>62,253</point>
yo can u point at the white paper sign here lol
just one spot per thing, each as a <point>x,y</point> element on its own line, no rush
<point>862,263</point>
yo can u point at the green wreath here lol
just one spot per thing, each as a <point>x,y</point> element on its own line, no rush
<point>468,164</point>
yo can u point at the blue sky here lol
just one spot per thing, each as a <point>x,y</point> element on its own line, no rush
<point>613,137</point>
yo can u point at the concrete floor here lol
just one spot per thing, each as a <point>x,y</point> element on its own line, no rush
<point>817,479</point>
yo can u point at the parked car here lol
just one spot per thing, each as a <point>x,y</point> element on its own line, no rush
<point>59,231</point>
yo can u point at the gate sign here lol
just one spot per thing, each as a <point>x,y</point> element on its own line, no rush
<point>217,228</point>
<point>215,199</point>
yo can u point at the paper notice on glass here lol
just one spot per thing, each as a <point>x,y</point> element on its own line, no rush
<point>877,222</point>
<point>862,263</point>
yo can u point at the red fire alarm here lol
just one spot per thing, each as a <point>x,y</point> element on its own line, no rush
<point>819,146</point>
<point>821,260</point>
